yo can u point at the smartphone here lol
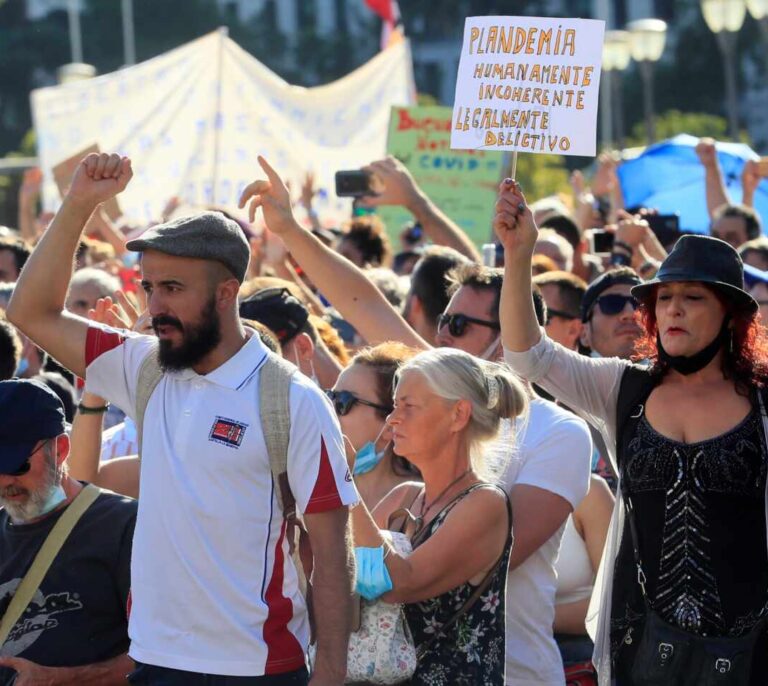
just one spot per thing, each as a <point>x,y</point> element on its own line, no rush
<point>763,165</point>
<point>600,241</point>
<point>354,183</point>
<point>665,226</point>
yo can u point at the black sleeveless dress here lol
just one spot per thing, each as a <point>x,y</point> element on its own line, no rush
<point>471,652</point>
<point>700,509</point>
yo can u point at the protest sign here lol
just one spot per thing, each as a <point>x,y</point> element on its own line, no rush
<point>462,183</point>
<point>528,84</point>
<point>194,120</point>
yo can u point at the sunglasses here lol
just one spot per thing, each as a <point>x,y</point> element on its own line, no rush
<point>559,313</point>
<point>344,401</point>
<point>613,303</point>
<point>25,466</point>
<point>457,323</point>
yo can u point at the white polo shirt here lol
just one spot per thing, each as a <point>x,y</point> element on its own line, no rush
<point>213,586</point>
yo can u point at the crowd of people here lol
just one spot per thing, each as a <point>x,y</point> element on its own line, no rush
<point>225,435</point>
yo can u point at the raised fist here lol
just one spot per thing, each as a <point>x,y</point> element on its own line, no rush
<point>513,222</point>
<point>99,177</point>
<point>707,152</point>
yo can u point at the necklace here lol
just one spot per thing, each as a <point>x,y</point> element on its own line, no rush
<point>424,510</point>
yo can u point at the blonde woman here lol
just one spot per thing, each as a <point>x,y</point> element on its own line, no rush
<point>447,406</point>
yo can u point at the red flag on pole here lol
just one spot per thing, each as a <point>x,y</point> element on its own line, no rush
<point>389,11</point>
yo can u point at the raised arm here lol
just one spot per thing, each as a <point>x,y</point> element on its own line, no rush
<point>517,232</point>
<point>37,305</point>
<point>587,385</point>
<point>717,195</point>
<point>400,188</point>
<point>346,286</point>
<point>750,180</point>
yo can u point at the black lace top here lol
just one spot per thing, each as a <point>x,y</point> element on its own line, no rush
<point>700,513</point>
<point>471,651</point>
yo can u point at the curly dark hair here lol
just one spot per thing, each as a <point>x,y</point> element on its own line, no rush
<point>746,360</point>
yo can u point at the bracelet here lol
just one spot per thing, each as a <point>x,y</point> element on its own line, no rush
<point>84,409</point>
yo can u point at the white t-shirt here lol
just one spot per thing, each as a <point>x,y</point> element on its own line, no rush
<point>553,452</point>
<point>119,441</point>
<point>214,589</point>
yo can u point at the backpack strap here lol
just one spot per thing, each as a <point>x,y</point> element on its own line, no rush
<point>275,411</point>
<point>150,374</point>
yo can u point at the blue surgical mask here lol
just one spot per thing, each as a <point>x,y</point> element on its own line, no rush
<point>23,366</point>
<point>367,458</point>
<point>55,498</point>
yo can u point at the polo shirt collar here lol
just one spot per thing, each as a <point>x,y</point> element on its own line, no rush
<point>237,369</point>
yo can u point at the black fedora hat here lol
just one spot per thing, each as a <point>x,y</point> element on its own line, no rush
<point>706,260</point>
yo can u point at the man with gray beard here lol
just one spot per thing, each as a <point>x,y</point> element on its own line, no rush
<point>74,631</point>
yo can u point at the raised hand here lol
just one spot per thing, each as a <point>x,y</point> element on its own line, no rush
<point>274,199</point>
<point>707,152</point>
<point>750,177</point>
<point>513,222</point>
<point>99,177</point>
<point>308,190</point>
<point>397,186</point>
<point>605,178</point>
<point>108,312</point>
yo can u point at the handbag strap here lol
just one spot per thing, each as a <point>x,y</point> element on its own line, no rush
<point>484,584</point>
<point>45,557</point>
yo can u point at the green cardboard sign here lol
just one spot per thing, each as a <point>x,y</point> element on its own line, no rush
<point>462,183</point>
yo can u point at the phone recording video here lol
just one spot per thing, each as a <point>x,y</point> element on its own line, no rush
<point>600,241</point>
<point>353,183</point>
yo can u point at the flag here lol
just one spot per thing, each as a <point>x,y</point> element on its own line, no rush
<point>392,25</point>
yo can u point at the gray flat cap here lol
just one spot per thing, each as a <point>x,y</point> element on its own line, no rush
<point>207,236</point>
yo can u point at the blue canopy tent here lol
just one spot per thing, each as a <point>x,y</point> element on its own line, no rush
<point>669,177</point>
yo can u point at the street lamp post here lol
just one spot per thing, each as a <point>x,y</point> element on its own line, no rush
<point>725,19</point>
<point>129,39</point>
<point>646,45</point>
<point>759,10</point>
<point>616,58</point>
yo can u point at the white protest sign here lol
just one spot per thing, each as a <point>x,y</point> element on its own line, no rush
<point>528,84</point>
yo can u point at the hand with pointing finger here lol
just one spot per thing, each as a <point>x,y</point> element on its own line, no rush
<point>272,196</point>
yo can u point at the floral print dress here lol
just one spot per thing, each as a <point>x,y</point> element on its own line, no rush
<point>470,652</point>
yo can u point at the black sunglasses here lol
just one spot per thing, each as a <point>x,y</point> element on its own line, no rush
<point>559,313</point>
<point>614,303</point>
<point>457,323</point>
<point>23,469</point>
<point>344,401</point>
<point>25,466</point>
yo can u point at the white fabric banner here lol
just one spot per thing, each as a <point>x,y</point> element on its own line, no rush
<point>194,119</point>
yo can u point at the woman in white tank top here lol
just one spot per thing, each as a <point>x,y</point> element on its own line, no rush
<point>580,551</point>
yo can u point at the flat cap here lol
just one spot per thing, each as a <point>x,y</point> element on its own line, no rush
<point>206,236</point>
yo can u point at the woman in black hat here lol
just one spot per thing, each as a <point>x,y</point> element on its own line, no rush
<point>682,594</point>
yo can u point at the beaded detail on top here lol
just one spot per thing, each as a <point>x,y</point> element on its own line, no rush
<point>687,593</point>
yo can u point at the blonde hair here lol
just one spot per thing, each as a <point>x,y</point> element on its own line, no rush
<point>494,392</point>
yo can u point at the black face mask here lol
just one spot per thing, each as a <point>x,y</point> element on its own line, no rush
<point>696,362</point>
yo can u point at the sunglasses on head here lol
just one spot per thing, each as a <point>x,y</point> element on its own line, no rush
<point>457,323</point>
<point>344,401</point>
<point>614,303</point>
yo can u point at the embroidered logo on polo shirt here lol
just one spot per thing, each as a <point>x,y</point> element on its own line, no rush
<point>227,432</point>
